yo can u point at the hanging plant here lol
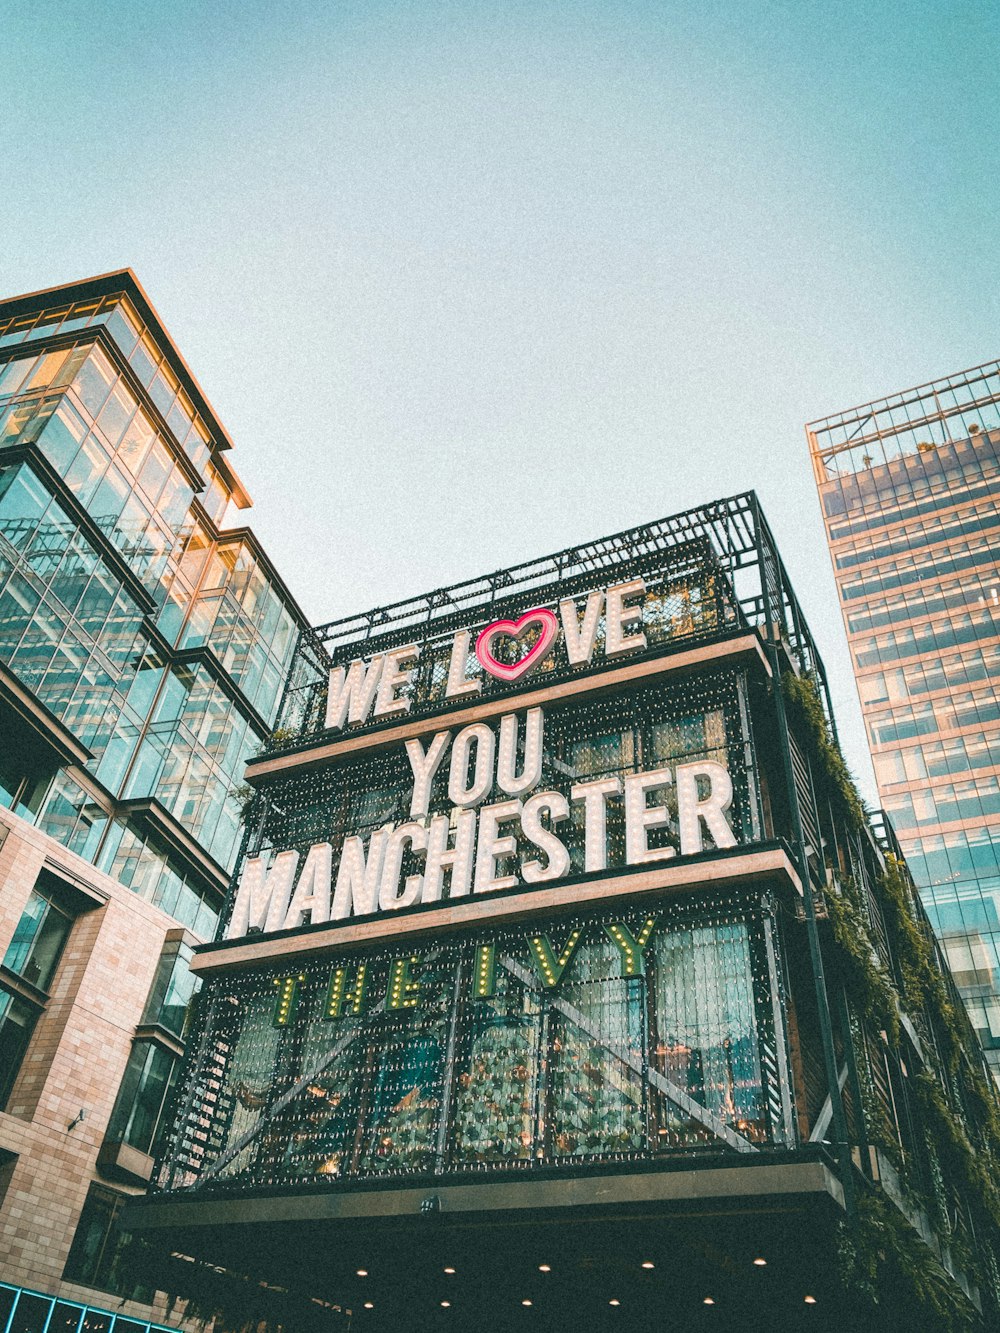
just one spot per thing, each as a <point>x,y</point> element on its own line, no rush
<point>805,706</point>
<point>890,1267</point>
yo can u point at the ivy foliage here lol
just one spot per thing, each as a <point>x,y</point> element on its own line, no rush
<point>883,1257</point>
<point>888,1266</point>
<point>805,708</point>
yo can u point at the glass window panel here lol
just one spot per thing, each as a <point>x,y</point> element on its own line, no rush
<point>116,414</point>
<point>94,381</point>
<point>62,436</point>
<point>135,444</point>
<point>97,1257</point>
<point>87,469</point>
<point>162,391</point>
<point>73,574</point>
<point>123,325</point>
<point>17,1021</point>
<point>155,471</point>
<point>38,940</point>
<point>109,500</point>
<point>143,360</point>
<point>30,1313</point>
<point>47,370</point>
<point>138,1115</point>
<point>23,501</point>
<point>14,374</point>
<point>18,604</point>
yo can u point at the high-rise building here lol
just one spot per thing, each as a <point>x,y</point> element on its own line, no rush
<point>564,982</point>
<point>910,490</point>
<point>144,643</point>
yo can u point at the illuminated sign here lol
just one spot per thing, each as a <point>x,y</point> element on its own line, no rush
<point>382,686</point>
<point>464,846</point>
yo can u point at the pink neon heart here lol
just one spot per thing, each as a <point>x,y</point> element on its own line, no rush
<point>515,628</point>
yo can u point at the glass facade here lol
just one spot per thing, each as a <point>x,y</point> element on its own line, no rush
<point>144,644</point>
<point>611,1061</point>
<point>159,639</point>
<point>910,489</point>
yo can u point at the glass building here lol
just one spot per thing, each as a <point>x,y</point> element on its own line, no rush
<point>910,490</point>
<point>145,639</point>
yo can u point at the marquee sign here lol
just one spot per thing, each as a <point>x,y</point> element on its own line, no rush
<point>506,650</point>
<point>459,851</point>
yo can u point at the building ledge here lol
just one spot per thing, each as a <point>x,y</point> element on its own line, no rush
<point>120,1161</point>
<point>149,811</point>
<point>372,738</point>
<point>717,870</point>
<point>735,1187</point>
<point>41,719</point>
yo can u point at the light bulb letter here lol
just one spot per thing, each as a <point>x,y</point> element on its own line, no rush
<point>464,790</point>
<point>580,639</point>
<point>458,682</point>
<point>351,694</point>
<point>640,818</point>
<point>516,784</point>
<point>425,767</point>
<point>557,857</point>
<point>457,859</point>
<point>388,700</point>
<point>390,898</point>
<point>358,875</point>
<point>262,898</point>
<point>594,796</point>
<point>312,893</point>
<point>621,616</point>
<point>492,845</point>
<point>710,810</point>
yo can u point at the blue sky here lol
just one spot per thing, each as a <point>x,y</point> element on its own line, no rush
<point>470,282</point>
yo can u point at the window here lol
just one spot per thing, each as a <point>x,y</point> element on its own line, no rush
<point>140,1115</point>
<point>17,1021</point>
<point>39,936</point>
<point>32,958</point>
<point>97,1255</point>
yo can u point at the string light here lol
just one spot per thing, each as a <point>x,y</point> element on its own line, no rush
<point>395,1012</point>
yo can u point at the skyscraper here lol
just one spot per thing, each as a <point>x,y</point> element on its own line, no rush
<point>144,642</point>
<point>910,489</point>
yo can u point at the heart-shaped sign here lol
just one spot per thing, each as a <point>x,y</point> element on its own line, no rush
<point>513,629</point>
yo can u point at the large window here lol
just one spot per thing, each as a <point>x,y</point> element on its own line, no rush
<point>39,936</point>
<point>17,1021</point>
<point>26,974</point>
<point>139,1117</point>
<point>603,1037</point>
<point>97,1255</point>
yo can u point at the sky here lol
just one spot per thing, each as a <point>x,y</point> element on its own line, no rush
<point>471,282</point>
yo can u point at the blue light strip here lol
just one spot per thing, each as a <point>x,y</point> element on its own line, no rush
<point>84,1311</point>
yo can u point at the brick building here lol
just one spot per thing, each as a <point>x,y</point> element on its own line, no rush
<point>144,643</point>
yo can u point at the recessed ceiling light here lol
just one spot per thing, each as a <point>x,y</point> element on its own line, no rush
<point>544,1268</point>
<point>445,1305</point>
<point>362,1272</point>
<point>760,1263</point>
<point>614,1302</point>
<point>525,1302</point>
<point>810,1300</point>
<point>369,1305</point>
<point>648,1264</point>
<point>449,1270</point>
<point>708,1301</point>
